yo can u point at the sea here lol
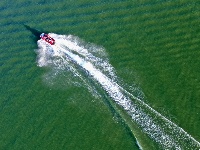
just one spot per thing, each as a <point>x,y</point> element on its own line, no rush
<point>122,75</point>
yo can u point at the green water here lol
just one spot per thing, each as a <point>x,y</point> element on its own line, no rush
<point>154,45</point>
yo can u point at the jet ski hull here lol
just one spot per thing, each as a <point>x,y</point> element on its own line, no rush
<point>47,38</point>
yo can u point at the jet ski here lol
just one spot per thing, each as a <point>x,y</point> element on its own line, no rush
<point>47,38</point>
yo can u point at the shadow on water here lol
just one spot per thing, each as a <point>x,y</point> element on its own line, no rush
<point>35,32</point>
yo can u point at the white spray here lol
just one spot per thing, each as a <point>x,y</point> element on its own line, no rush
<point>159,128</point>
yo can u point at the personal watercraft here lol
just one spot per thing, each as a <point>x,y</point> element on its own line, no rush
<point>47,38</point>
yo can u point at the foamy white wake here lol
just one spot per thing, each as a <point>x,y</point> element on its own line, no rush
<point>93,60</point>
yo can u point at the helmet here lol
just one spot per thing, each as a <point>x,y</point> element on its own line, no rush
<point>41,35</point>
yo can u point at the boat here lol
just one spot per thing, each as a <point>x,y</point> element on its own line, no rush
<point>47,38</point>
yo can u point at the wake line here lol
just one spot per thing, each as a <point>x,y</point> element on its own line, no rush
<point>113,90</point>
<point>159,128</point>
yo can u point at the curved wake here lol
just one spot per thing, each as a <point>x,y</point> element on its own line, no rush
<point>71,52</point>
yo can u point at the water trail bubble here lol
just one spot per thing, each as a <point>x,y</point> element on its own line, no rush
<point>73,51</point>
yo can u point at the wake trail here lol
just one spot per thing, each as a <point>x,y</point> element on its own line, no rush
<point>166,133</point>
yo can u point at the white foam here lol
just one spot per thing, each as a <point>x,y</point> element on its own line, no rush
<point>159,128</point>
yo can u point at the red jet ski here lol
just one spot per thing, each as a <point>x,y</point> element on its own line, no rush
<point>47,38</point>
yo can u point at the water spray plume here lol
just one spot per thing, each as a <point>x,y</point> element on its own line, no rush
<point>94,61</point>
